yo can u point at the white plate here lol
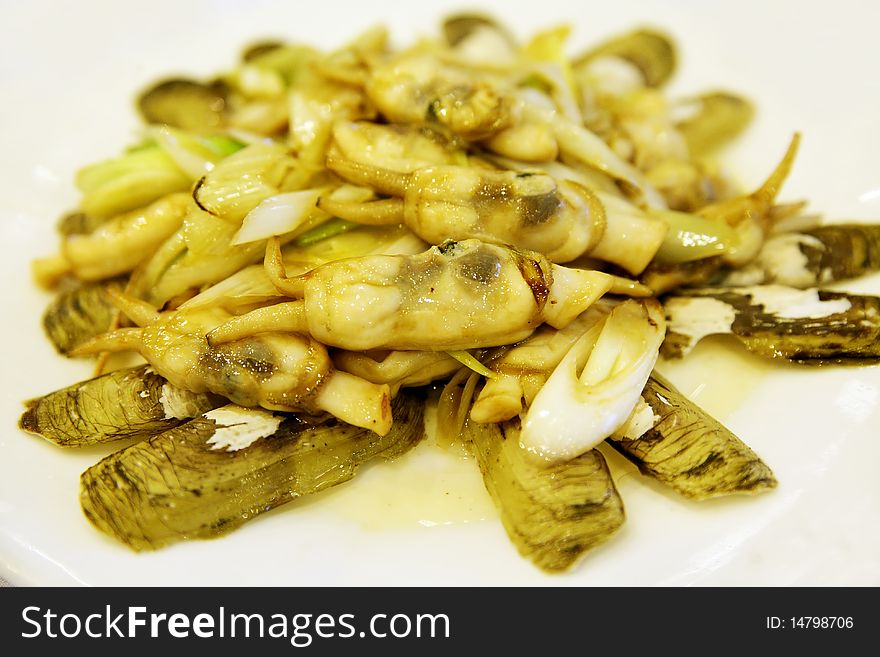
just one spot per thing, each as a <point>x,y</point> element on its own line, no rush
<point>69,73</point>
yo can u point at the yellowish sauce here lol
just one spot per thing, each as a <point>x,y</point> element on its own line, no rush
<point>429,486</point>
<point>426,487</point>
<point>718,375</point>
<point>432,486</point>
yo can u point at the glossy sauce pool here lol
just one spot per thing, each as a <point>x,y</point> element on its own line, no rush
<point>426,487</point>
<point>432,486</point>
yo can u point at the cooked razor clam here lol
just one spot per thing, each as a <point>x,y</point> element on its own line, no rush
<point>118,245</point>
<point>806,326</point>
<point>812,257</point>
<point>315,105</point>
<point>209,476</point>
<point>398,148</point>
<point>687,185</point>
<point>285,372</point>
<point>78,223</point>
<point>460,295</point>
<point>416,88</point>
<point>675,441</point>
<point>129,403</point>
<point>397,368</point>
<point>350,64</point>
<point>560,218</point>
<point>552,513</point>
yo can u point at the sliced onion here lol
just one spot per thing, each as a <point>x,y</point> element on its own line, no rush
<point>280,214</point>
<point>469,360</point>
<point>573,412</point>
<point>251,284</point>
<point>179,146</point>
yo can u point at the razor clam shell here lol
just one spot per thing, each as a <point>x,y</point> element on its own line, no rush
<point>813,257</point>
<point>178,486</point>
<point>77,315</point>
<point>553,513</point>
<point>122,404</point>
<point>851,336</point>
<point>652,52</point>
<point>690,451</point>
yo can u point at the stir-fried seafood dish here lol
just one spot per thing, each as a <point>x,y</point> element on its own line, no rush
<point>310,250</point>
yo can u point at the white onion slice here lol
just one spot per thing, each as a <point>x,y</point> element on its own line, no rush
<point>573,412</point>
<point>194,164</point>
<point>278,215</point>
